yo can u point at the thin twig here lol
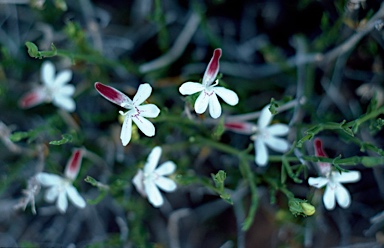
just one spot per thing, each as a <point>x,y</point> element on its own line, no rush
<point>177,49</point>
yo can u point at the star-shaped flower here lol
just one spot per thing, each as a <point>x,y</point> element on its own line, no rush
<point>136,112</point>
<point>54,89</point>
<point>148,181</point>
<point>267,135</point>
<point>263,135</point>
<point>333,181</point>
<point>61,187</point>
<point>209,90</point>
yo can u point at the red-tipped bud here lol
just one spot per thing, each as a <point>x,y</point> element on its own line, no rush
<point>74,163</point>
<point>241,127</point>
<point>324,168</point>
<point>113,95</point>
<point>212,68</point>
<point>32,98</point>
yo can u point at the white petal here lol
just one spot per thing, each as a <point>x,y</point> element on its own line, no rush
<point>48,73</point>
<point>62,202</point>
<point>346,177</point>
<point>261,153</point>
<point>67,90</point>
<point>153,193</point>
<point>64,102</point>
<point>126,130</point>
<point>138,182</point>
<point>278,129</point>
<point>166,168</point>
<point>149,110</point>
<point>201,103</point>
<point>62,78</point>
<point>166,184</point>
<point>190,88</point>
<point>342,196</point>
<point>318,182</point>
<point>144,125</point>
<point>142,94</point>
<point>75,197</point>
<point>229,96</point>
<point>46,179</point>
<point>265,117</point>
<point>51,194</point>
<point>152,160</point>
<point>277,144</point>
<point>329,197</point>
<point>214,106</point>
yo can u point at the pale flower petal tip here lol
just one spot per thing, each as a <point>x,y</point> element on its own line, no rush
<point>150,179</point>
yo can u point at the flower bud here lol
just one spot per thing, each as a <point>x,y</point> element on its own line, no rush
<point>308,209</point>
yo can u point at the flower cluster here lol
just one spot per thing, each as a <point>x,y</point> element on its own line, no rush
<point>151,178</point>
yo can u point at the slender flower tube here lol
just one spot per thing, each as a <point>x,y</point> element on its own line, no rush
<point>209,90</point>
<point>136,111</point>
<point>54,89</point>
<point>148,181</point>
<point>333,180</point>
<point>61,187</point>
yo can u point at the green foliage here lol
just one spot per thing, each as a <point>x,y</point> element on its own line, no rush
<point>65,139</point>
<point>219,179</point>
<point>34,52</point>
<point>31,135</point>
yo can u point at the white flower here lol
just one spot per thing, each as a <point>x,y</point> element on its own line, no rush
<point>334,188</point>
<point>61,187</point>
<point>267,136</point>
<point>209,90</point>
<point>54,89</point>
<point>136,112</point>
<point>148,181</point>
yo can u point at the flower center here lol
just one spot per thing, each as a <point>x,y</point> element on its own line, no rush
<point>151,176</point>
<point>134,113</point>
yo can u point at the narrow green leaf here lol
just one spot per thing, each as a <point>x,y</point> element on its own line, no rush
<point>17,136</point>
<point>66,138</point>
<point>254,195</point>
<point>372,161</point>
